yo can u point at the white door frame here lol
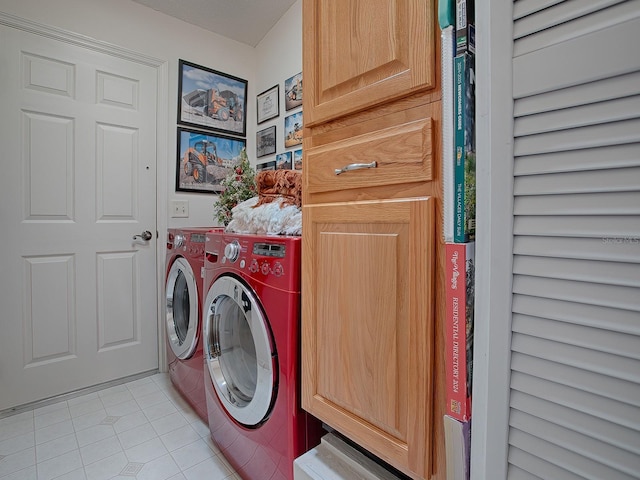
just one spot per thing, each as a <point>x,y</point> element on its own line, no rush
<point>162,184</point>
<point>494,239</point>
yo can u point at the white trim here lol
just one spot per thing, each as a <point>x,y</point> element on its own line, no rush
<point>77,39</point>
<point>494,239</point>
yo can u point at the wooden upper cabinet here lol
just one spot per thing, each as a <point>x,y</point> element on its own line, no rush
<point>360,53</point>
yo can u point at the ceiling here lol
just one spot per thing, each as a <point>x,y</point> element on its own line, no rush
<point>246,21</point>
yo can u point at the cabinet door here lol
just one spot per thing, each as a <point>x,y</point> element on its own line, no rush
<point>359,53</point>
<point>368,325</point>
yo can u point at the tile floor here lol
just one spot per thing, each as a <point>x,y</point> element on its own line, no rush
<point>138,430</point>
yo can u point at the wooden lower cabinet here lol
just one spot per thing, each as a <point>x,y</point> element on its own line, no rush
<point>368,324</point>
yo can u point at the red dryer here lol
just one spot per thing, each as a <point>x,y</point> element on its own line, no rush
<point>183,297</point>
<point>251,330</point>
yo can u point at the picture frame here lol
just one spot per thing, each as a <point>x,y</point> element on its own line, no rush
<point>211,100</point>
<point>204,159</point>
<point>293,126</point>
<point>283,161</point>
<point>293,92</point>
<point>270,165</point>
<point>297,159</point>
<point>266,141</point>
<point>268,104</point>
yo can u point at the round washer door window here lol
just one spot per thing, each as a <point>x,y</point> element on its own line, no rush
<point>182,309</point>
<point>239,351</point>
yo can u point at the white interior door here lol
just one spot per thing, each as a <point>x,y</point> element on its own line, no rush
<point>77,293</point>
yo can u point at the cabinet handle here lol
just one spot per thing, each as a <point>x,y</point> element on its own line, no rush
<point>355,166</point>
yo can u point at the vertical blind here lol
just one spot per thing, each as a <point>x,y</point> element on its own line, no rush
<point>575,367</point>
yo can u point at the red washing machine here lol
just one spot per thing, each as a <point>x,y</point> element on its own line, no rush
<point>251,330</point>
<point>183,296</point>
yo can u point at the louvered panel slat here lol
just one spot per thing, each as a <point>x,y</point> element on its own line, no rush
<point>563,458</point>
<point>560,13</point>
<point>546,354</point>
<point>579,116</point>
<point>581,292</point>
<point>618,203</point>
<point>624,438</point>
<point>586,248</point>
<point>584,378</point>
<point>607,89</point>
<point>571,62</point>
<point>522,8</point>
<point>627,131</point>
<point>605,318</point>
<point>621,228</point>
<point>581,26</point>
<point>527,463</point>
<point>576,443</point>
<point>611,156</point>
<point>609,273</point>
<point>602,340</point>
<point>605,408</point>
<point>516,473</point>
<point>611,180</point>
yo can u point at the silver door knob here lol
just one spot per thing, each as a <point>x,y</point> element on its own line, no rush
<point>146,235</point>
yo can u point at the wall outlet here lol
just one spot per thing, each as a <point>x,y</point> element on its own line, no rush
<point>179,208</point>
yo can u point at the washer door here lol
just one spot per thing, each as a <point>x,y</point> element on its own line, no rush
<point>182,309</point>
<point>239,351</point>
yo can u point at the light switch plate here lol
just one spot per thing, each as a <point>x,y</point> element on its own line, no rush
<point>179,208</point>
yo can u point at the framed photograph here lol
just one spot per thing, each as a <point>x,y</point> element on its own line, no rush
<point>293,130</point>
<point>266,166</point>
<point>297,159</point>
<point>268,104</point>
<point>293,92</point>
<point>204,160</point>
<point>211,100</point>
<point>283,161</point>
<point>266,141</point>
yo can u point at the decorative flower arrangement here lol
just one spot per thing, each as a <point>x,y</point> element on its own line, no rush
<point>239,185</point>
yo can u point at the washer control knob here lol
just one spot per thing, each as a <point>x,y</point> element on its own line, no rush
<point>232,250</point>
<point>179,240</point>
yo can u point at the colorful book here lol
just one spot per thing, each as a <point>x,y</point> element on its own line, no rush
<point>465,148</point>
<point>457,445</point>
<point>465,29</point>
<point>446,13</point>
<point>448,144</point>
<point>459,288</point>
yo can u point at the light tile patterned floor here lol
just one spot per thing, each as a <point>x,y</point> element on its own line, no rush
<point>140,430</point>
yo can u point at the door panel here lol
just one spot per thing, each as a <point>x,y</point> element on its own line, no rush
<point>79,297</point>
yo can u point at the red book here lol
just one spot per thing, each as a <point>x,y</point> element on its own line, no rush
<point>460,273</point>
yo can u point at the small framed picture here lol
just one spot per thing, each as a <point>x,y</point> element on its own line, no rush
<point>293,92</point>
<point>271,165</point>
<point>297,159</point>
<point>211,100</point>
<point>268,104</point>
<point>293,130</point>
<point>204,160</point>
<point>283,161</point>
<point>266,141</point>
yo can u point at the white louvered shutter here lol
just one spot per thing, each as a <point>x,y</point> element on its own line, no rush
<point>575,366</point>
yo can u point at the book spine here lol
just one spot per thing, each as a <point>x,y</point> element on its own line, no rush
<point>448,142</point>
<point>464,170</point>
<point>459,295</point>
<point>465,20</point>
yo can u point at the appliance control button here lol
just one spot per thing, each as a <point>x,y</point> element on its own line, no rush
<point>265,268</point>
<point>179,240</point>
<point>278,269</point>
<point>253,268</point>
<point>232,250</point>
<point>242,263</point>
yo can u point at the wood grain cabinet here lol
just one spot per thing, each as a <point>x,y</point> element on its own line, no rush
<point>372,292</point>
